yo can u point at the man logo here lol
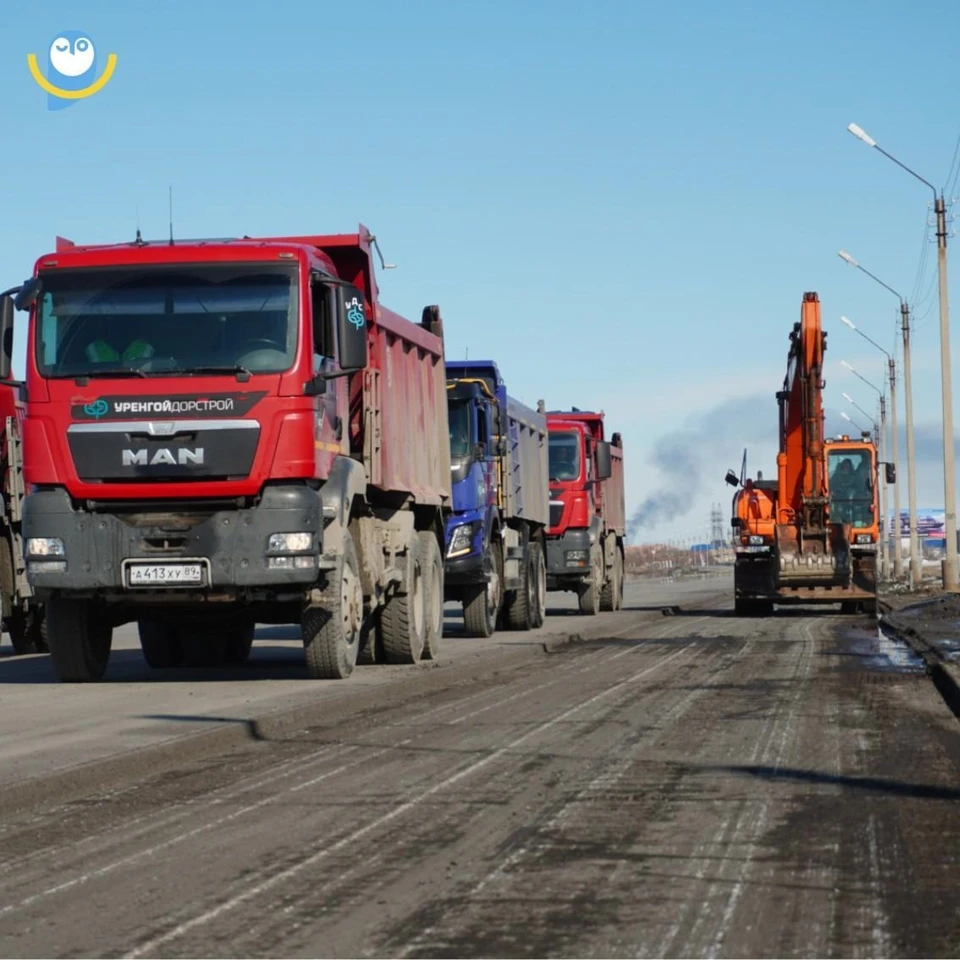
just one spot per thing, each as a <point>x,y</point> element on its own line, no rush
<point>183,457</point>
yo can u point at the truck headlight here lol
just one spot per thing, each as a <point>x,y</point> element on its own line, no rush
<point>45,547</point>
<point>461,541</point>
<point>290,542</point>
<point>756,541</point>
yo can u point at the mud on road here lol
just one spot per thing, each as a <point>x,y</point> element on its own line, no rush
<point>690,785</point>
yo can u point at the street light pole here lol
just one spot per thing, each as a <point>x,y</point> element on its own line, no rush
<point>949,457</point>
<point>890,447</point>
<point>908,404</point>
<point>897,539</point>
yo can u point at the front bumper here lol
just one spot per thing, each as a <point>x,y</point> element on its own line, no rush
<point>230,544</point>
<point>568,556</point>
<point>465,570</point>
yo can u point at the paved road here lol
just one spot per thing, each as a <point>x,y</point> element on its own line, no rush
<point>694,785</point>
<point>46,726</point>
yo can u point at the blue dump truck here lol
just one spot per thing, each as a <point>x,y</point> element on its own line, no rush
<point>495,555</point>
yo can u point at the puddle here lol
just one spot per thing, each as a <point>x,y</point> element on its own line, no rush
<point>882,653</point>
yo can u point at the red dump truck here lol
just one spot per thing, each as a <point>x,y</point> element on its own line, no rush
<point>585,540</point>
<point>22,613</point>
<point>226,432</point>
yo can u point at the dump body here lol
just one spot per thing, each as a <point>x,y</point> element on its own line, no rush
<point>587,508</point>
<point>225,421</point>
<point>499,461</point>
<point>799,540</point>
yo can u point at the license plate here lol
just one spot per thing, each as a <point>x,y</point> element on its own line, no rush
<point>163,574</point>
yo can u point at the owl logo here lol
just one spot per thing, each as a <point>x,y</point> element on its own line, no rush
<point>71,69</point>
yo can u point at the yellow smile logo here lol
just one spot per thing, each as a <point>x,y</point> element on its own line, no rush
<point>71,70</point>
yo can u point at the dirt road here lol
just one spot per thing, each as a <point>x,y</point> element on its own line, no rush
<point>692,785</point>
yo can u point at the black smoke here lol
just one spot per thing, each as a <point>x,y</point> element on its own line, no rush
<point>686,458</point>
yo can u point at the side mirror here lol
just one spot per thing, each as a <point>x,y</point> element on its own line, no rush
<point>604,461</point>
<point>27,294</point>
<point>351,329</point>
<point>316,386</point>
<point>732,479</point>
<point>6,337</point>
<point>891,472</point>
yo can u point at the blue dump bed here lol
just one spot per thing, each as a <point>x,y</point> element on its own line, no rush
<point>526,488</point>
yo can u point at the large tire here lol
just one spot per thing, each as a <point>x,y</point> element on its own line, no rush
<point>80,639</point>
<point>589,596</point>
<point>402,620</point>
<point>240,643</point>
<point>160,644</point>
<point>331,629</point>
<point>519,610</point>
<point>482,602</point>
<point>37,629</point>
<point>612,592</point>
<point>540,585</point>
<point>431,563</point>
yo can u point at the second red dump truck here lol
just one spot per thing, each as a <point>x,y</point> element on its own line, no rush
<point>226,432</point>
<point>585,540</point>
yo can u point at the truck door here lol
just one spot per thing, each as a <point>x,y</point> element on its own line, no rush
<point>328,406</point>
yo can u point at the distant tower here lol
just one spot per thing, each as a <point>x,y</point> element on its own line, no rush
<point>716,525</point>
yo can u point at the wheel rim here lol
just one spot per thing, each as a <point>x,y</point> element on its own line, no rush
<point>351,605</point>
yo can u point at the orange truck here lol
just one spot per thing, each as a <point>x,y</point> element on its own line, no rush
<point>811,535</point>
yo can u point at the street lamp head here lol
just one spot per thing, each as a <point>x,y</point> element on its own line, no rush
<point>847,397</point>
<point>845,417</point>
<point>861,134</point>
<point>843,255</point>
<point>848,322</point>
<point>843,363</point>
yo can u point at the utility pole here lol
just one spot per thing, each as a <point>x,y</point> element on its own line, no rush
<point>916,562</point>
<point>895,455</point>
<point>882,444</point>
<point>949,464</point>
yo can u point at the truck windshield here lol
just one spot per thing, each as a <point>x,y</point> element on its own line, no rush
<point>850,477</point>
<point>163,321</point>
<point>564,456</point>
<point>461,441</point>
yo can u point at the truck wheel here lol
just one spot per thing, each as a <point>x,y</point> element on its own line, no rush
<point>160,644</point>
<point>240,643</point>
<point>481,602</point>
<point>589,597</point>
<point>80,639</point>
<point>432,565</point>
<point>37,630</point>
<point>402,621</point>
<point>540,586</point>
<point>611,597</point>
<point>331,629</point>
<point>520,609</point>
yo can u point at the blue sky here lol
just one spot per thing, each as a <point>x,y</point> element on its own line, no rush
<point>621,203</point>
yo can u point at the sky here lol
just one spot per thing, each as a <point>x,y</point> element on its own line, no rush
<point>621,203</point>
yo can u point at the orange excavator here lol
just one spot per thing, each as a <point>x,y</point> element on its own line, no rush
<point>812,534</point>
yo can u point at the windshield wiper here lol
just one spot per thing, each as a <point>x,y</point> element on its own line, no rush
<point>241,372</point>
<point>115,372</point>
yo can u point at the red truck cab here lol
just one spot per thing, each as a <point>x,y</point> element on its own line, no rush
<point>585,540</point>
